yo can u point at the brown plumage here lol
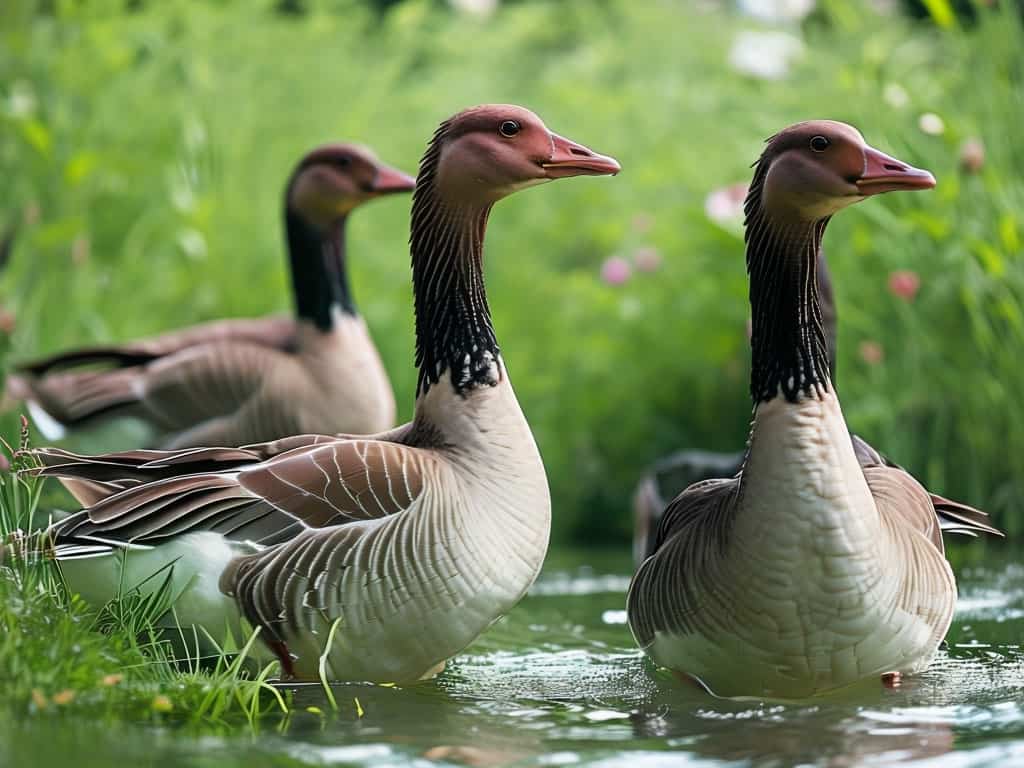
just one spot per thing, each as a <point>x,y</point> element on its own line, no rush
<point>244,380</point>
<point>410,542</point>
<point>819,563</point>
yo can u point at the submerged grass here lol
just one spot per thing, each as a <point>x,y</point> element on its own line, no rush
<point>59,655</point>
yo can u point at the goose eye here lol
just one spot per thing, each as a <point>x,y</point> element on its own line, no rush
<point>343,161</point>
<point>508,128</point>
<point>820,143</point>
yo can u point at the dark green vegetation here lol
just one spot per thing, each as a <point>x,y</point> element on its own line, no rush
<point>148,151</point>
<point>144,151</point>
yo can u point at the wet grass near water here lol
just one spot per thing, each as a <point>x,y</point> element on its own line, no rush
<point>559,682</point>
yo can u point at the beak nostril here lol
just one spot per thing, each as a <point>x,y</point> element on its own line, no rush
<point>582,152</point>
<point>894,167</point>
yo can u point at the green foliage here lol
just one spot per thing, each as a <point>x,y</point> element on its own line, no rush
<point>59,655</point>
<point>148,151</point>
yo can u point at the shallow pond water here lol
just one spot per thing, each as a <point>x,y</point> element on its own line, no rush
<point>559,683</point>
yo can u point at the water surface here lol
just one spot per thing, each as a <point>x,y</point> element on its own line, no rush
<point>559,683</point>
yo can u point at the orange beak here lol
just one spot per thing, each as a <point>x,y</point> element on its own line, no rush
<point>887,174</point>
<point>390,180</point>
<point>571,159</point>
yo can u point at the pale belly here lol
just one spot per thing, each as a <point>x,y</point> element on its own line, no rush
<point>798,624</point>
<point>808,596</point>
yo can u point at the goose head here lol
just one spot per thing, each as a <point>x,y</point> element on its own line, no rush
<point>813,169</point>
<point>490,151</point>
<point>333,179</point>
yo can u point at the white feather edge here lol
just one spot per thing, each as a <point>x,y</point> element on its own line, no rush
<point>49,427</point>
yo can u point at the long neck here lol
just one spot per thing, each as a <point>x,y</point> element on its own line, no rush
<point>453,322</point>
<point>319,274</point>
<point>829,313</point>
<point>790,354</point>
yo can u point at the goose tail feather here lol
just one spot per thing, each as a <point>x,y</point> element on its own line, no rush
<point>955,517</point>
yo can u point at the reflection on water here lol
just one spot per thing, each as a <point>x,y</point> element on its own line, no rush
<point>559,683</point>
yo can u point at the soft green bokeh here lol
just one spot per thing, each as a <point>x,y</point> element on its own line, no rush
<point>148,150</point>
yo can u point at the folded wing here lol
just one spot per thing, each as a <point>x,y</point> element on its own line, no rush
<point>691,539</point>
<point>323,483</point>
<point>952,516</point>
<point>172,382</point>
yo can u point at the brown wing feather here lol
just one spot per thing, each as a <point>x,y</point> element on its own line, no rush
<point>185,390</point>
<point>957,517</point>
<point>953,516</point>
<point>271,448</point>
<point>338,482</point>
<point>139,466</point>
<point>176,382</point>
<point>276,331</point>
<point>314,486</point>
<point>901,499</point>
<point>93,478</point>
<point>90,492</point>
<point>73,399</point>
<point>691,539</point>
<point>280,588</point>
<point>667,478</point>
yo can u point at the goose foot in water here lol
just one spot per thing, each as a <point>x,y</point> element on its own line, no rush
<point>280,649</point>
<point>892,679</point>
<point>434,671</point>
<point>689,681</point>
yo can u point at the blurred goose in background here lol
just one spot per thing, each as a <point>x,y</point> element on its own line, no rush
<point>818,564</point>
<point>410,542</point>
<point>678,471</point>
<point>246,380</point>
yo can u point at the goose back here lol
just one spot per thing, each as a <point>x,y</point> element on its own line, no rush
<point>239,381</point>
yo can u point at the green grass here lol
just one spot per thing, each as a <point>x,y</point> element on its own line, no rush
<point>59,656</point>
<point>148,151</point>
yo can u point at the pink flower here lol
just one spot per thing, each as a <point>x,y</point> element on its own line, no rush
<point>647,259</point>
<point>5,463</point>
<point>7,321</point>
<point>972,155</point>
<point>871,352</point>
<point>724,205</point>
<point>904,284</point>
<point>642,223</point>
<point>615,270</point>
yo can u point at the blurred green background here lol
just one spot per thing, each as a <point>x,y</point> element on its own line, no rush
<point>144,147</point>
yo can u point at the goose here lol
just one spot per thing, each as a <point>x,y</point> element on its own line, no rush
<point>820,563</point>
<point>673,473</point>
<point>231,382</point>
<point>408,543</point>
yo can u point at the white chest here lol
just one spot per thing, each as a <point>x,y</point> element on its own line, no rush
<point>349,388</point>
<point>803,492</point>
<point>809,593</point>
